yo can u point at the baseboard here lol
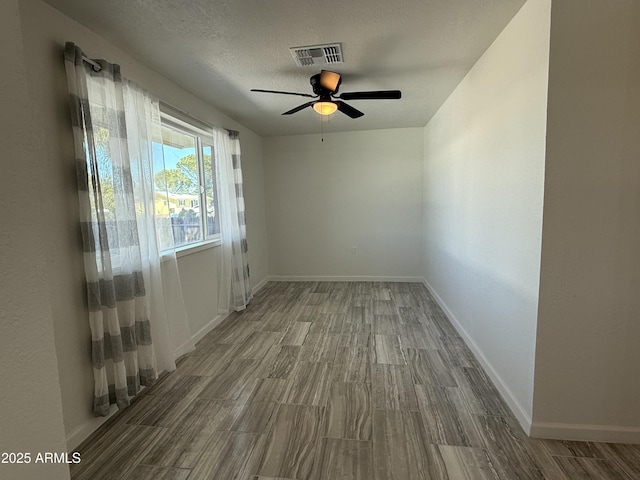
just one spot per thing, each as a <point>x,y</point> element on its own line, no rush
<point>199,335</point>
<point>183,349</point>
<point>557,431</point>
<point>83,432</point>
<point>585,433</point>
<point>520,413</point>
<point>259,286</point>
<point>338,278</point>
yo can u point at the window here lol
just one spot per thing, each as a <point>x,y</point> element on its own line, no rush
<point>184,181</point>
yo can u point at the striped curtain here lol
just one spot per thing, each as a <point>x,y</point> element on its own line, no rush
<point>122,351</point>
<point>235,285</point>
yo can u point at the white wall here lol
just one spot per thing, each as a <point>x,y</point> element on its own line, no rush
<point>355,188</point>
<point>587,382</point>
<point>30,401</point>
<point>45,30</point>
<point>483,190</point>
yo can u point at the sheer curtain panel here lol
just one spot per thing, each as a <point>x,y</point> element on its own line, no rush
<point>114,126</point>
<point>235,285</point>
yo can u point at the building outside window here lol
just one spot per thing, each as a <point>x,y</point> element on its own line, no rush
<point>185,183</point>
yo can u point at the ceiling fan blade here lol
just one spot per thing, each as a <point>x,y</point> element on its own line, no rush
<point>298,108</point>
<point>283,93</point>
<point>330,80</point>
<point>377,95</point>
<point>348,110</point>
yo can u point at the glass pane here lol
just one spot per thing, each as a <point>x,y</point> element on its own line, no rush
<point>178,189</point>
<point>105,201</point>
<point>213,227</point>
<point>161,197</point>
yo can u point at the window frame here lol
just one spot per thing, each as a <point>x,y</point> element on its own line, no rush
<point>203,138</point>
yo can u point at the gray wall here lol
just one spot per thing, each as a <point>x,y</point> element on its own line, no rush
<point>588,360</point>
<point>30,401</point>
<point>359,189</point>
<point>44,31</point>
<point>483,191</point>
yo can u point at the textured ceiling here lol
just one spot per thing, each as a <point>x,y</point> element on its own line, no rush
<point>221,49</point>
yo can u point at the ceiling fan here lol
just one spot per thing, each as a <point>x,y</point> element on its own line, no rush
<point>325,87</point>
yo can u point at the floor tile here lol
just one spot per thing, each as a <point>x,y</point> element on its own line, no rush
<point>334,380</point>
<point>467,463</point>
<point>284,363</point>
<point>224,456</point>
<point>229,384</point>
<point>400,449</point>
<point>386,324</point>
<point>183,443</point>
<point>627,457</point>
<point>105,458</point>
<point>508,449</point>
<point>393,388</point>
<point>310,384</point>
<point>296,333</point>
<point>427,368</point>
<point>352,364</point>
<point>291,446</point>
<point>417,336</point>
<point>319,347</point>
<point>387,350</point>
<point>590,469</point>
<point>343,459</point>
<point>257,345</point>
<point>482,397</point>
<point>255,417</point>
<point>349,411</point>
<point>147,472</point>
<point>446,418</point>
<point>566,448</point>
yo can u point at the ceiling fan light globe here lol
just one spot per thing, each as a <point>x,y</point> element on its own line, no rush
<point>325,108</point>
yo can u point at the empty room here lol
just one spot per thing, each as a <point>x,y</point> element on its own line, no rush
<point>280,240</point>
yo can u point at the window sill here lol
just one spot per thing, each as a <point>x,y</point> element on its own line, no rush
<point>196,247</point>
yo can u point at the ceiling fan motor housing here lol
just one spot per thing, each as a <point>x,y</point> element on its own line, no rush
<point>319,90</point>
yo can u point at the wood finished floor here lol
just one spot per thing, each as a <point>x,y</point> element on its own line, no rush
<point>324,381</point>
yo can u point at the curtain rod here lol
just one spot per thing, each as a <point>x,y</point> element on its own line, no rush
<point>96,66</point>
<point>196,119</point>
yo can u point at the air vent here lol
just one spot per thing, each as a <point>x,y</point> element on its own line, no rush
<point>317,55</point>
